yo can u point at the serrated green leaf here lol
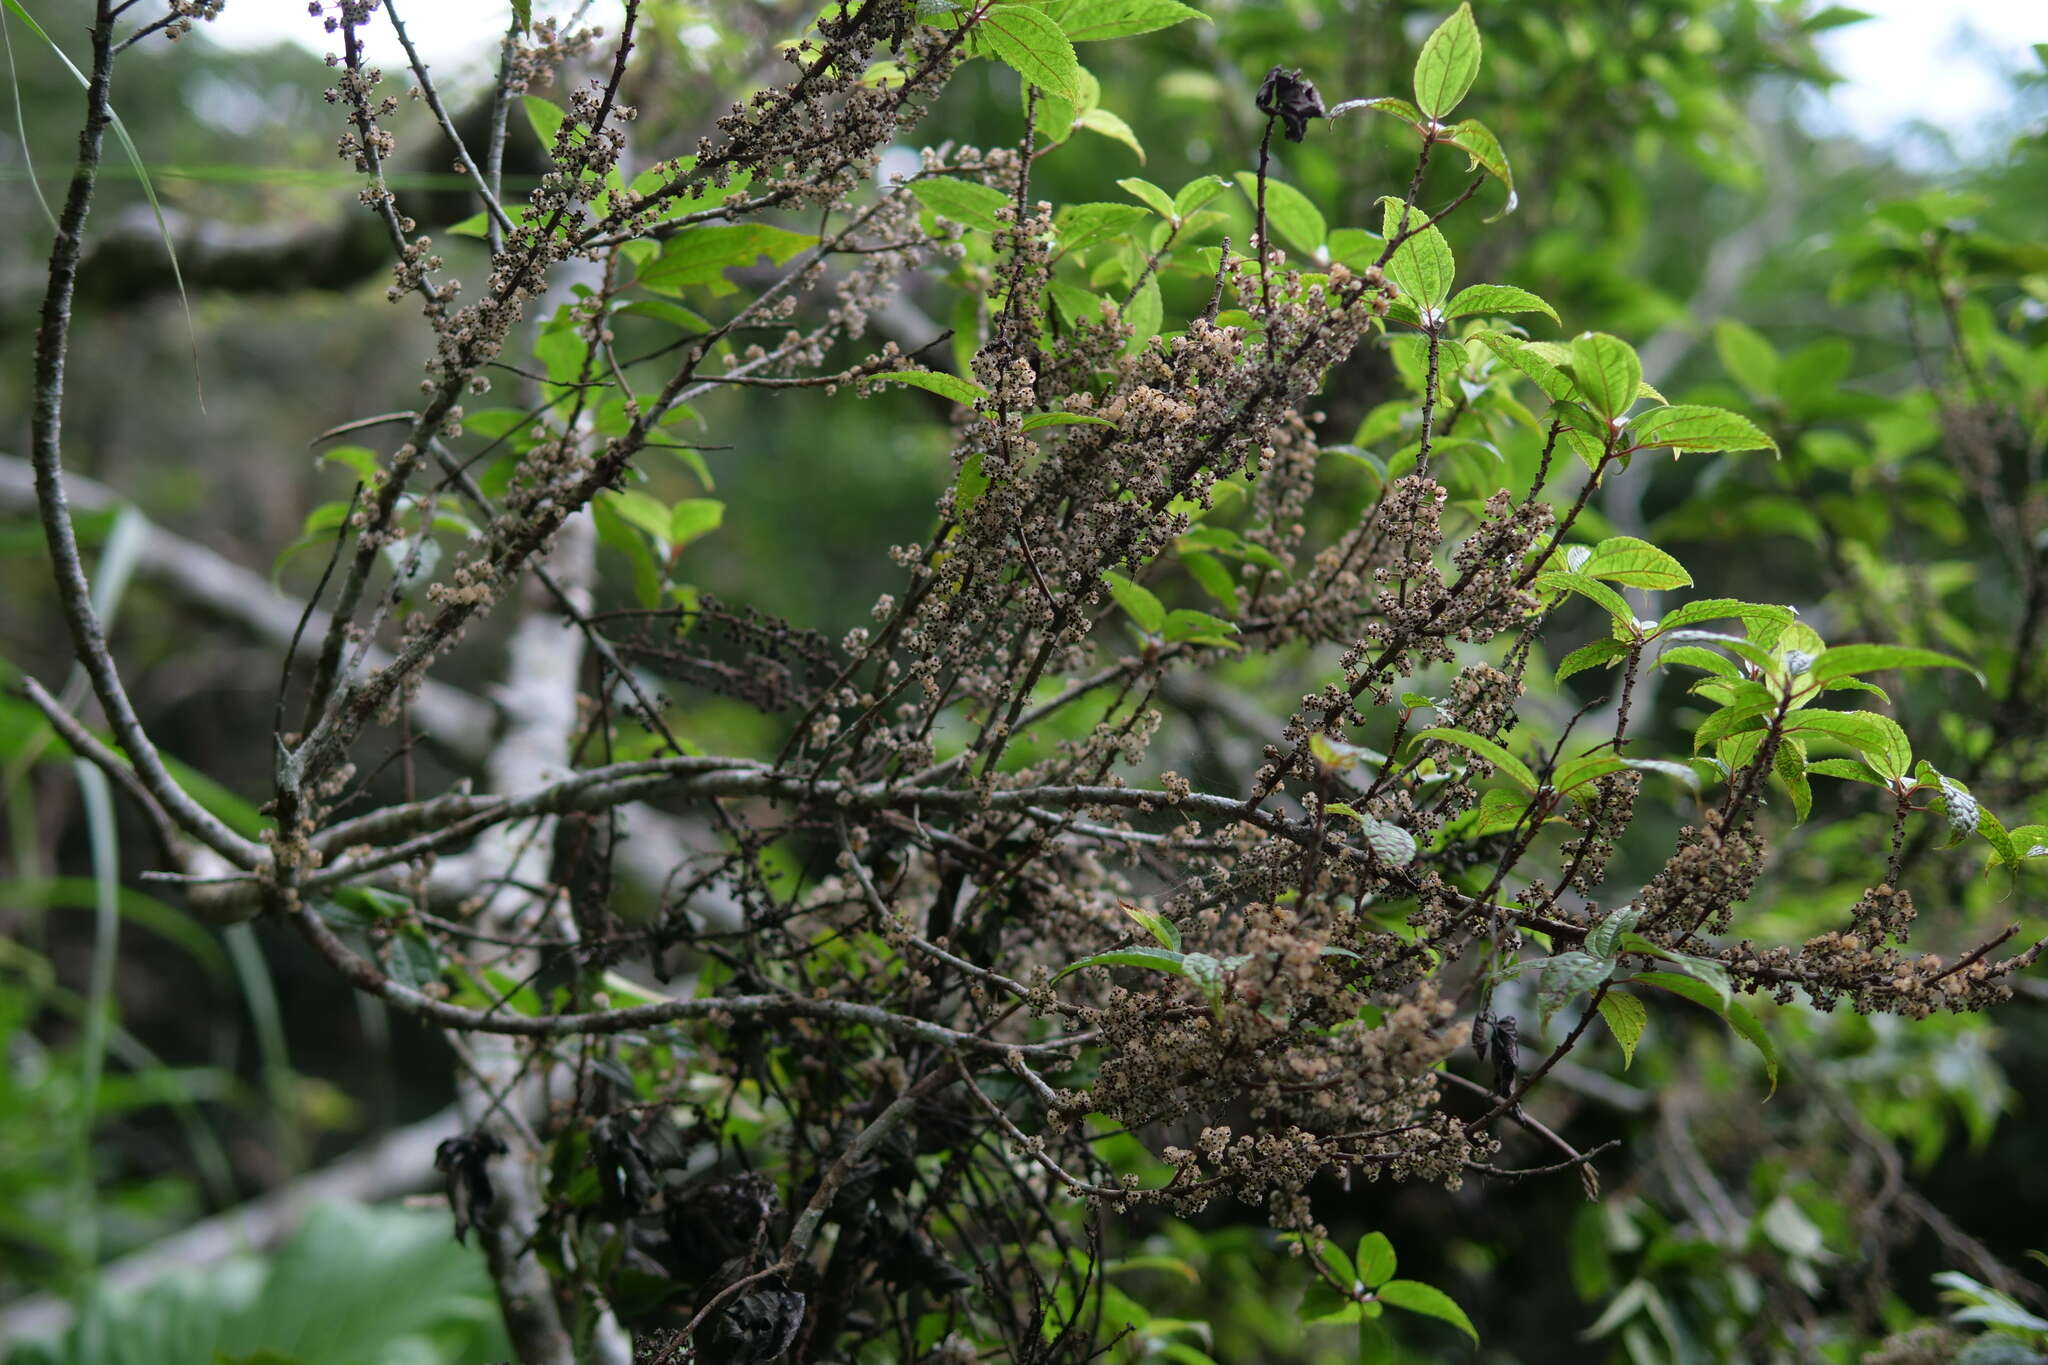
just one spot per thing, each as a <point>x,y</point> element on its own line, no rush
<point>1591,656</point>
<point>963,201</point>
<point>965,392</point>
<point>1428,1300</point>
<point>1064,419</point>
<point>1422,267</point>
<point>1375,1262</point>
<point>1447,64</point>
<point>1145,313</point>
<point>1689,426</point>
<point>1576,772</point>
<point>1159,200</point>
<point>1593,589</point>
<point>1384,104</point>
<point>1749,360</point>
<point>1848,769</point>
<point>1846,661</point>
<point>694,517</point>
<point>1513,767</point>
<point>1291,213</point>
<point>1476,300</point>
<point>1153,959</point>
<point>1721,609</point>
<point>1112,126</point>
<point>1706,995</point>
<point>1477,141</point>
<point>1092,21</point>
<point>1532,361</point>
<point>1163,930</point>
<point>1636,563</point>
<point>1626,1019</point>
<point>1607,371</point>
<point>1139,603</point>
<point>1789,765</point>
<point>1198,192</point>
<point>1878,738</point>
<point>1079,226</point>
<point>1568,975</point>
<point>1033,46</point>
<point>702,255</point>
<point>545,117</point>
<point>1196,626</point>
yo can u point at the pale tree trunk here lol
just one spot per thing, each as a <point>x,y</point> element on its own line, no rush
<point>540,700</point>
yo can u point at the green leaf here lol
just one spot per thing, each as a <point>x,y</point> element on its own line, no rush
<point>522,14</point>
<point>648,513</point>
<point>1635,563</point>
<point>1389,843</point>
<point>970,485</point>
<point>1091,21</point>
<point>1153,959</point>
<point>1681,772</point>
<point>1422,266</point>
<point>1878,738</point>
<point>1477,141</point>
<point>1699,984</point>
<point>1626,1019</point>
<point>1198,192</point>
<point>1688,426</point>
<point>1215,579</point>
<point>1083,225</point>
<point>1577,772</point>
<point>661,310</point>
<point>1738,1016</point>
<point>1375,1262</point>
<point>1162,929</point>
<point>1603,938</point>
<point>1610,600</point>
<point>1477,299</point>
<point>1159,200</point>
<point>694,517</point>
<point>965,392</point>
<point>1721,609</point>
<point>1789,764</point>
<point>545,117</point>
<point>1138,602</point>
<point>1599,653</point>
<point>1847,661</point>
<point>1321,1303</point>
<point>1749,360</point>
<point>1413,1295</point>
<point>1607,371</point>
<point>1385,104</point>
<point>1568,975</point>
<point>1197,627</point>
<point>1447,64</point>
<point>1034,47</point>
<point>1064,419</point>
<point>963,201</point>
<point>1533,362</point>
<point>1849,769</point>
<point>1112,126</point>
<point>702,255</point>
<point>1289,212</point>
<point>1145,313</point>
<point>1485,748</point>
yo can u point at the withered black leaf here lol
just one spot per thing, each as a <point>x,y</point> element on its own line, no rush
<point>1290,97</point>
<point>464,1159</point>
<point>1507,1059</point>
<point>755,1328</point>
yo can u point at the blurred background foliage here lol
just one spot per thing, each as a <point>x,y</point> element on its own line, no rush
<point>1866,309</point>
